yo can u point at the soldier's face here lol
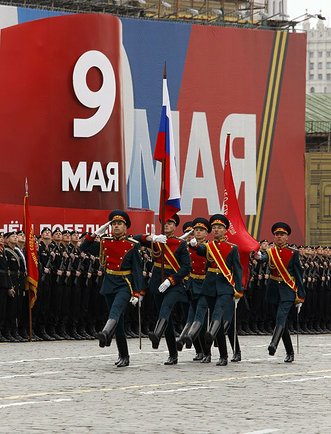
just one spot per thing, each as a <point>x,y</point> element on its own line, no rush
<point>280,238</point>
<point>21,238</point>
<point>200,234</point>
<point>169,228</point>
<point>218,231</point>
<point>118,228</point>
<point>46,235</point>
<point>57,236</point>
<point>12,239</point>
<point>66,238</point>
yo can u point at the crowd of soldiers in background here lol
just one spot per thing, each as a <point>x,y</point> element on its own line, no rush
<point>69,305</point>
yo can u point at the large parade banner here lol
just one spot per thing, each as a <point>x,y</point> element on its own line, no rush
<point>80,105</point>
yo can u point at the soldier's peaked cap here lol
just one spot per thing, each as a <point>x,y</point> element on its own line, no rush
<point>119,215</point>
<point>281,227</point>
<point>188,226</point>
<point>56,230</point>
<point>219,219</point>
<point>8,234</point>
<point>201,222</point>
<point>175,219</point>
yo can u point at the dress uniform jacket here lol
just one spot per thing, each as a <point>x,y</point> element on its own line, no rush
<point>197,274</point>
<point>121,260</point>
<point>215,282</point>
<point>278,289</point>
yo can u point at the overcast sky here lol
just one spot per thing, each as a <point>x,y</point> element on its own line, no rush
<point>295,8</point>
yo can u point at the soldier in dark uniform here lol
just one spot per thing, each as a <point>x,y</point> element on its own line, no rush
<point>221,285</point>
<point>201,227</point>
<point>123,277</point>
<point>169,288</point>
<point>17,276</point>
<point>285,285</point>
<point>4,287</point>
<point>59,258</point>
<point>42,305</point>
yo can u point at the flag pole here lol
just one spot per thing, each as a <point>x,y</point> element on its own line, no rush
<point>26,242</point>
<point>163,193</point>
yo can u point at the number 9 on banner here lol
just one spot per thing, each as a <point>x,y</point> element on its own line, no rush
<point>102,99</point>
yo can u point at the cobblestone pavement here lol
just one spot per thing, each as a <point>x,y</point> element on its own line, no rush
<point>74,387</point>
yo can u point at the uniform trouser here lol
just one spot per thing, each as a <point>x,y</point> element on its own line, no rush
<point>85,299</point>
<point>75,301</point>
<point>117,304</point>
<point>165,303</point>
<point>42,304</point>
<point>282,313</point>
<point>11,313</point>
<point>23,316</point>
<point>93,304</point>
<point>199,343</point>
<point>56,301</point>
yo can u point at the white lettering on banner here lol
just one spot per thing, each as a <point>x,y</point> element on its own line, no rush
<point>102,99</point>
<point>79,179</point>
<point>243,169</point>
<point>204,187</point>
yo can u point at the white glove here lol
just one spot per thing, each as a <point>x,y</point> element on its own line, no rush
<point>298,306</point>
<point>164,286</point>
<point>258,255</point>
<point>193,242</point>
<point>159,239</point>
<point>185,235</point>
<point>102,229</point>
<point>134,300</point>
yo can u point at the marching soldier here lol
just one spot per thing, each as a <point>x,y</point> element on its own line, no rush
<point>122,280</point>
<point>221,285</point>
<point>201,228</point>
<point>169,288</point>
<point>285,285</point>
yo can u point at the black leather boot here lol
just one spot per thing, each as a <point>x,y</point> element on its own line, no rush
<point>198,357</point>
<point>54,335</point>
<point>288,346</point>
<point>181,339</point>
<point>123,361</point>
<point>212,332</point>
<point>223,361</point>
<point>172,360</point>
<point>236,357</point>
<point>156,335</point>
<point>44,335</point>
<point>206,359</point>
<point>275,339</point>
<point>105,336</point>
<point>289,357</point>
<point>123,351</point>
<point>3,338</point>
<point>193,333</point>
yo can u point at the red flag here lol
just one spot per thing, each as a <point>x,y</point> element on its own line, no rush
<point>31,283</point>
<point>237,232</point>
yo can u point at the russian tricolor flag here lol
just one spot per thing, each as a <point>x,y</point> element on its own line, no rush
<point>165,153</point>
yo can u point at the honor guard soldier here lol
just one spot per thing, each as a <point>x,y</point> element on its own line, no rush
<point>122,281</point>
<point>201,228</point>
<point>221,285</point>
<point>4,287</point>
<point>169,288</point>
<point>285,285</point>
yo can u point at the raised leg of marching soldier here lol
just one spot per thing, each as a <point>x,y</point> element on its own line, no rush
<point>116,303</point>
<point>165,303</point>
